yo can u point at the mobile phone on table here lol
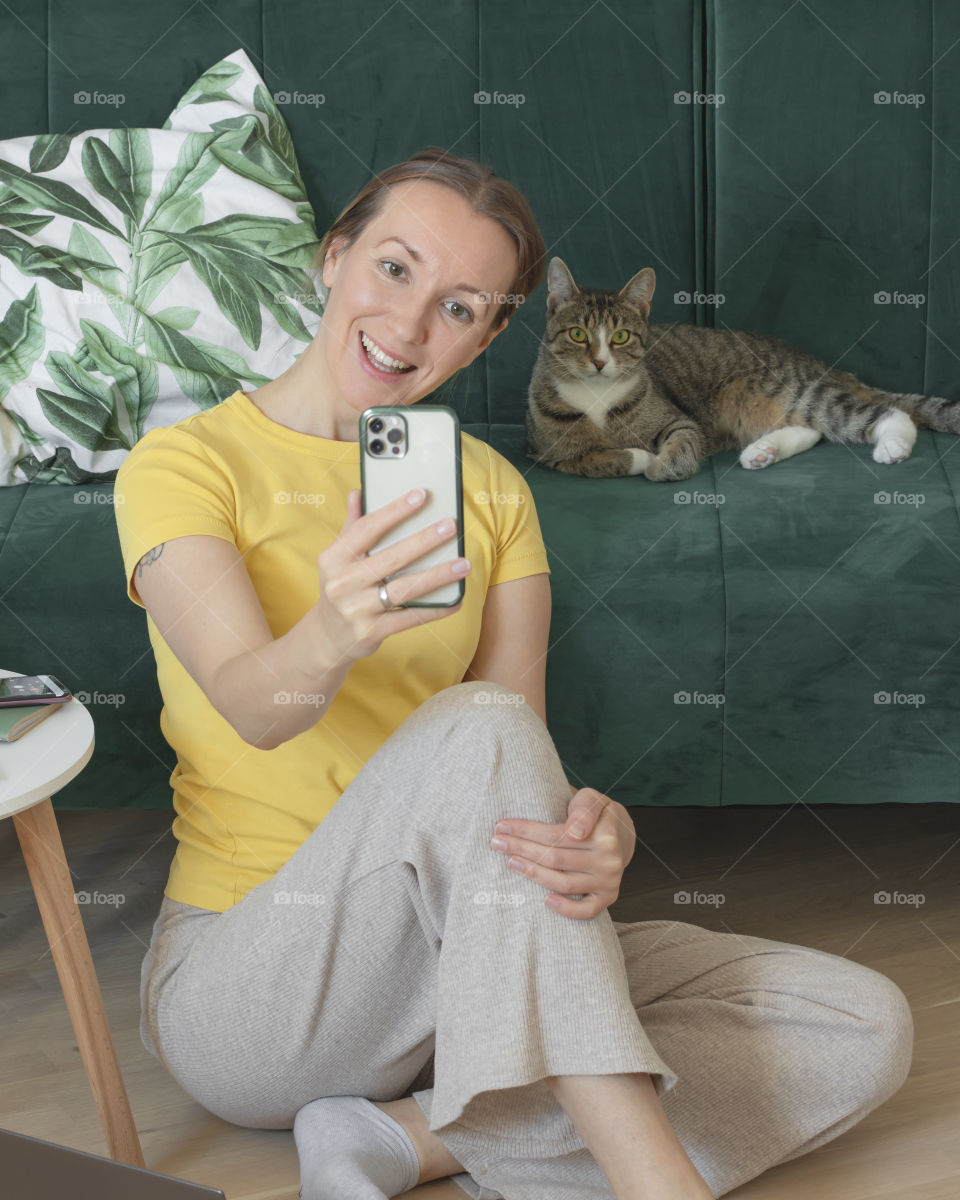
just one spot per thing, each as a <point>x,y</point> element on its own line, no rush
<point>32,689</point>
<point>403,447</point>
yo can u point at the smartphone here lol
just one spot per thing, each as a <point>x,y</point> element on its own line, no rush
<point>403,447</point>
<point>32,689</point>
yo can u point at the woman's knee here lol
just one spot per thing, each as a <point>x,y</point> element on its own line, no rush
<point>487,714</point>
<point>847,1021</point>
<point>483,709</point>
<point>872,1020</point>
<point>479,699</point>
<point>885,1010</point>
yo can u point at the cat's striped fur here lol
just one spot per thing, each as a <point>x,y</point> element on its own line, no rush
<point>670,395</point>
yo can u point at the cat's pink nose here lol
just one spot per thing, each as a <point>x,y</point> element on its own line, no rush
<point>599,363</point>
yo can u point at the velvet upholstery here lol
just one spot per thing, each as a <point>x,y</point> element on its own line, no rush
<point>792,593</point>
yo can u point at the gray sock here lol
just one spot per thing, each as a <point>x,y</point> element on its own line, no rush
<point>351,1150</point>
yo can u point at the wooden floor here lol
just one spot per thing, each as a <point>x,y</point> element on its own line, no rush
<point>806,876</point>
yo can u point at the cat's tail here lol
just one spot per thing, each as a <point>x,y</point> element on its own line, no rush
<point>844,409</point>
<point>928,412</point>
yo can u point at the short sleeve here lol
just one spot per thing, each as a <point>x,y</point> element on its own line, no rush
<point>170,486</point>
<point>520,548</point>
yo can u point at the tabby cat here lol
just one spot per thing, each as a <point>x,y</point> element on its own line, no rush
<point>613,395</point>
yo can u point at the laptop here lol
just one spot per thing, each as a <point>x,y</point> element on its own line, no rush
<point>35,1170</point>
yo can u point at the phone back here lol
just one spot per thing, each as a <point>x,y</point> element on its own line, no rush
<point>429,457</point>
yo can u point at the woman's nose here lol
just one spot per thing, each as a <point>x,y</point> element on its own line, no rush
<point>408,323</point>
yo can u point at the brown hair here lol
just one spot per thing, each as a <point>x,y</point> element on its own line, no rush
<point>489,195</point>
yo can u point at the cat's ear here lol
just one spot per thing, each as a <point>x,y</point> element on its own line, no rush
<point>561,288</point>
<point>639,290</point>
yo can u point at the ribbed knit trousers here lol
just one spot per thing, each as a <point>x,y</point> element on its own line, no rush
<point>396,954</point>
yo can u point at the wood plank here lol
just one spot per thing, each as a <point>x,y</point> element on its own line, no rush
<point>805,879</point>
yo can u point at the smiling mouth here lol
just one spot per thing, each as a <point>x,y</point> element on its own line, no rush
<point>380,360</point>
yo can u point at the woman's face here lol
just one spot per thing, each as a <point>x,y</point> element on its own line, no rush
<point>431,315</point>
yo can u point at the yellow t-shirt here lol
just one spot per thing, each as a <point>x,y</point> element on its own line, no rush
<point>242,811</point>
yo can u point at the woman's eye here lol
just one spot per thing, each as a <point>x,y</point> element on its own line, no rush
<point>464,312</point>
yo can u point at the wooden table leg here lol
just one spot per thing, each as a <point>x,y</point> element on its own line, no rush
<point>53,888</point>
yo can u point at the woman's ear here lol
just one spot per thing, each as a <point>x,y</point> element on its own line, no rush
<point>488,338</point>
<point>330,259</point>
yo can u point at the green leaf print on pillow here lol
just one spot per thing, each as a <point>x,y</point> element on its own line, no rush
<point>125,308</point>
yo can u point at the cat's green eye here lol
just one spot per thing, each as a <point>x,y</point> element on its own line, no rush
<point>577,334</point>
<point>620,336</point>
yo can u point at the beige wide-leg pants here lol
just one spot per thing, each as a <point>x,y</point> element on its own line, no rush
<point>396,954</point>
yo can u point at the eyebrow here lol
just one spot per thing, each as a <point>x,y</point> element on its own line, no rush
<point>418,258</point>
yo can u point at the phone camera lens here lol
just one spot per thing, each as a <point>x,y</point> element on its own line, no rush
<point>376,446</point>
<point>395,435</point>
<point>376,425</point>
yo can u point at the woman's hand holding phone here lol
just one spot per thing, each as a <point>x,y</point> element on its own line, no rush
<point>352,620</point>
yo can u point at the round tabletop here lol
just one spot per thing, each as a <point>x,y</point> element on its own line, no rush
<point>46,757</point>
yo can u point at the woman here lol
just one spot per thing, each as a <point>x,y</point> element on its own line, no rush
<point>340,949</point>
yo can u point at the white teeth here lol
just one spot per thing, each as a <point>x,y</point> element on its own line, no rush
<point>374,350</point>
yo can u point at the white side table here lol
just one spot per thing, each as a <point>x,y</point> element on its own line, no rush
<point>31,769</point>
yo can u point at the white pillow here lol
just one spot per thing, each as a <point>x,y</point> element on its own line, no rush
<point>146,274</point>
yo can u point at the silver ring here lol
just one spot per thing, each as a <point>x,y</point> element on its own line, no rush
<point>385,598</point>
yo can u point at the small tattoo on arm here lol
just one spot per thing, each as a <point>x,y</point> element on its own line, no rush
<point>151,556</point>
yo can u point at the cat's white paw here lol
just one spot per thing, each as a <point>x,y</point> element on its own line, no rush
<point>894,436</point>
<point>640,460</point>
<point>757,455</point>
<point>892,449</point>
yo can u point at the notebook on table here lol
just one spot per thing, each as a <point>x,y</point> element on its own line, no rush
<point>31,1169</point>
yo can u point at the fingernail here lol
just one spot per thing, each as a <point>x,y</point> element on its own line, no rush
<point>576,831</point>
<point>415,496</point>
<point>498,843</point>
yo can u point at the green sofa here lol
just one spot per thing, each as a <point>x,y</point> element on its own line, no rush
<point>725,640</point>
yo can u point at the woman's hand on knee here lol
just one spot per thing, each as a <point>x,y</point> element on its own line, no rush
<point>590,866</point>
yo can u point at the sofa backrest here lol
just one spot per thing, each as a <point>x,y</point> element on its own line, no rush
<point>737,146</point>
